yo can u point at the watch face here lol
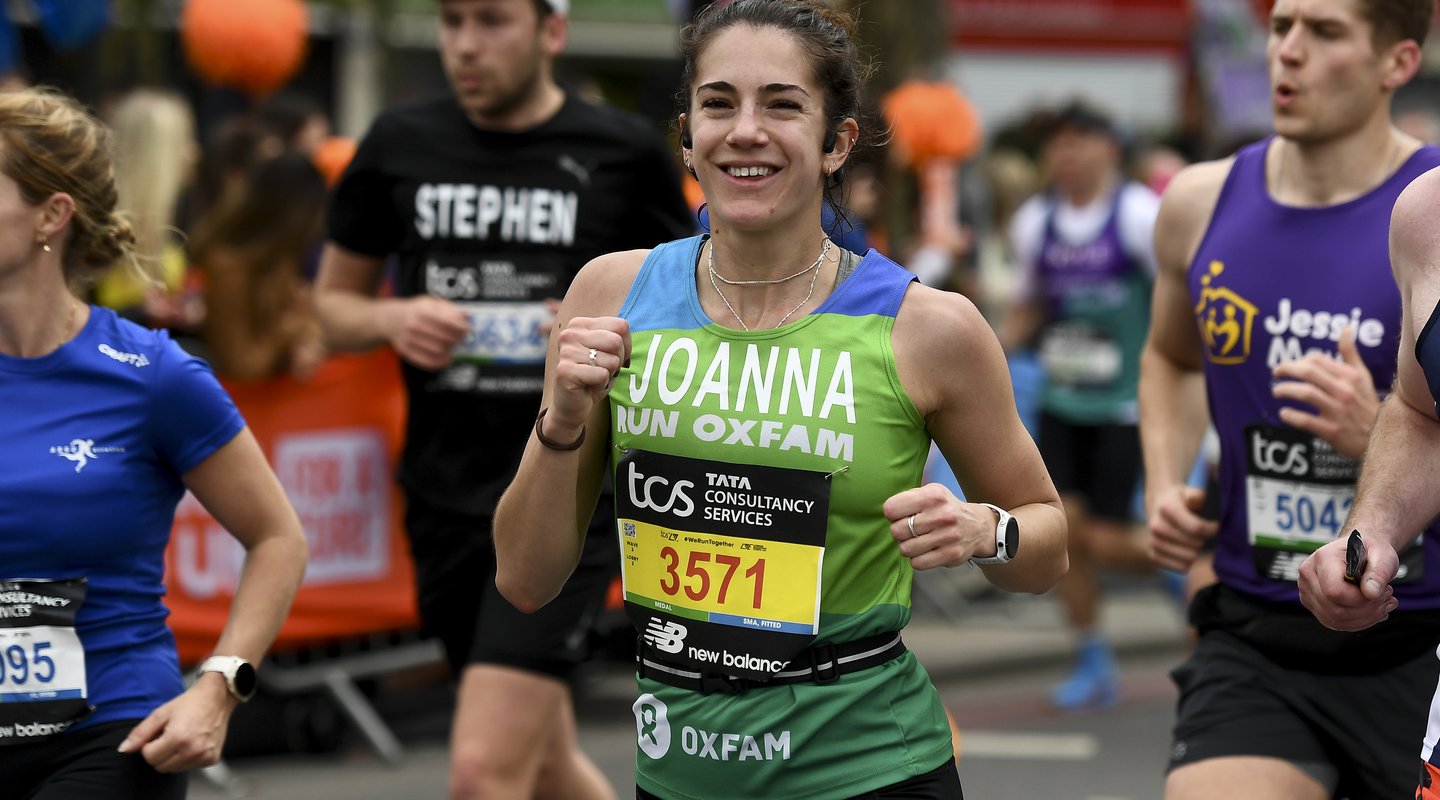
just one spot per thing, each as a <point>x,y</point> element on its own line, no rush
<point>245,681</point>
<point>1012,537</point>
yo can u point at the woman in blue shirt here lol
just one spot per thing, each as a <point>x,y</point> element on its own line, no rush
<point>104,426</point>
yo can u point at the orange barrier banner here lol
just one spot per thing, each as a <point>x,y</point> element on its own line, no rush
<point>333,441</point>
<point>1429,788</point>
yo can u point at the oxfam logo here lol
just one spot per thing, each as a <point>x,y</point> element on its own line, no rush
<point>652,727</point>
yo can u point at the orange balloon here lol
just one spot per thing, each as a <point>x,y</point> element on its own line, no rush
<point>332,157</point>
<point>930,121</point>
<point>252,45</point>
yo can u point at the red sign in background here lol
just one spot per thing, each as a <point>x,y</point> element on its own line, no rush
<point>333,442</point>
<point>1126,25</point>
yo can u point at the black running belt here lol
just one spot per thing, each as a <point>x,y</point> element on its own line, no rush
<point>822,664</point>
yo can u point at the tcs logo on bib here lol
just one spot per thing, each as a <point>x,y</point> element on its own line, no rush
<point>651,493</point>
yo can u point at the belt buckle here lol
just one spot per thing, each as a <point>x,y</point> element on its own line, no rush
<point>820,654</point>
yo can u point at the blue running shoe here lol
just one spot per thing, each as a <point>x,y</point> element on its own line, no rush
<point>1095,682</point>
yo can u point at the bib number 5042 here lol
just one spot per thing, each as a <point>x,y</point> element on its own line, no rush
<point>697,584</point>
<point>1306,515</point>
<point>19,665</point>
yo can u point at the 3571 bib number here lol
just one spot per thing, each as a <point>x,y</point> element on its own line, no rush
<point>721,579</point>
<point>697,574</point>
<point>721,562</point>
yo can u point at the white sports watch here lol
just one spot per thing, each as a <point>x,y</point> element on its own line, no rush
<point>239,675</point>
<point>1007,538</point>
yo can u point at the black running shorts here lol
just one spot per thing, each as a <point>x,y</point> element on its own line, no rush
<point>1100,463</point>
<point>84,765</point>
<point>455,576</point>
<point>1359,734</point>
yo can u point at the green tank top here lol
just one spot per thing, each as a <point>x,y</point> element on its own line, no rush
<point>750,471</point>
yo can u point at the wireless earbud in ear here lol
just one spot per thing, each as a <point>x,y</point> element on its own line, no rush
<point>685,140</point>
<point>830,140</point>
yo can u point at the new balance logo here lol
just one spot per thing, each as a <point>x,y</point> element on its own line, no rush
<point>667,637</point>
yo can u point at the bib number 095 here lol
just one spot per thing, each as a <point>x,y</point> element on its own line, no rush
<point>18,665</point>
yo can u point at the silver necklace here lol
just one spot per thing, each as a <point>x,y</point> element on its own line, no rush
<point>710,265</point>
<point>710,262</point>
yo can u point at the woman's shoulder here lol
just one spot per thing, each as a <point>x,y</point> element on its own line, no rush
<point>936,332</point>
<point>602,285</point>
<point>939,318</point>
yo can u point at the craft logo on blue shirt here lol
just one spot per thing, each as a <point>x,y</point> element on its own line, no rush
<point>82,451</point>
<point>138,359</point>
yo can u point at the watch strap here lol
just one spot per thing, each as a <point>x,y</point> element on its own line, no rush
<point>1002,549</point>
<point>227,667</point>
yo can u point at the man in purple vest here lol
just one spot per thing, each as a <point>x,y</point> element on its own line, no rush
<point>1274,306</point>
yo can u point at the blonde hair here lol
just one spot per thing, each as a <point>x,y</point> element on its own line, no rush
<point>50,144</point>
<point>154,134</point>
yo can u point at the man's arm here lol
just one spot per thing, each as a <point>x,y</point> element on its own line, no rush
<point>1396,496</point>
<point>1173,414</point>
<point>422,329</point>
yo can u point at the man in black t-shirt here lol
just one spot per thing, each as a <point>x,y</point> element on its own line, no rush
<point>491,197</point>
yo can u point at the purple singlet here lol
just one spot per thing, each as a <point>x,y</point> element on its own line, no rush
<point>1270,284</point>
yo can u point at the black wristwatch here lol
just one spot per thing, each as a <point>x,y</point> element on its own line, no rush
<point>239,675</point>
<point>1007,538</point>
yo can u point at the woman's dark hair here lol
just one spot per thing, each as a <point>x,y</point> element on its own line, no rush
<point>272,219</point>
<point>233,148</point>
<point>286,114</point>
<point>826,35</point>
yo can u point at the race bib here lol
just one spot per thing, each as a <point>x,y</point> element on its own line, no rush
<point>1079,355</point>
<point>505,333</point>
<point>1298,492</point>
<point>721,562</point>
<point>42,665</point>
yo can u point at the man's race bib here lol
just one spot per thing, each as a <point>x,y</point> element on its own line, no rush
<point>42,665</point>
<point>1079,355</point>
<point>721,562</point>
<point>505,333</point>
<point>1298,492</point>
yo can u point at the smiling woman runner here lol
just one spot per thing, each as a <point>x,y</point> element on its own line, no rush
<point>765,401</point>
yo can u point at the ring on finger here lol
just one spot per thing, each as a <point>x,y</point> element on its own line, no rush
<point>593,353</point>
<point>910,522</point>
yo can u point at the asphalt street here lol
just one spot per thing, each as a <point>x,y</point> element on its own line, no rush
<point>994,661</point>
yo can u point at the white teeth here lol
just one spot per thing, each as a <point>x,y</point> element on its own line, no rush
<point>750,172</point>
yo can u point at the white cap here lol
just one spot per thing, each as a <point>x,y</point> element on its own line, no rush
<point>560,6</point>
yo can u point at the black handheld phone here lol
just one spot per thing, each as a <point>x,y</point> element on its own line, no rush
<point>1354,557</point>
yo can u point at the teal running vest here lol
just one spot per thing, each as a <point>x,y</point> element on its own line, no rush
<point>750,470</point>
